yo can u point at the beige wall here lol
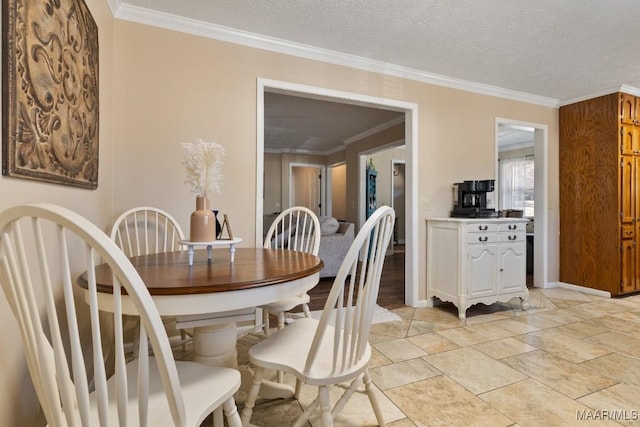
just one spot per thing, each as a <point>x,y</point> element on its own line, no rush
<point>159,87</point>
<point>18,404</point>
<point>339,191</point>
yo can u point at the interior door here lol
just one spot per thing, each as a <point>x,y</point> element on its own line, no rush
<point>306,187</point>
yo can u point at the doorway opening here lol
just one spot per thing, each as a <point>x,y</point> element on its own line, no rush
<point>524,147</point>
<point>410,123</point>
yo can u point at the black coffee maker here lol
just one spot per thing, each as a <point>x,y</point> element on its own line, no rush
<point>470,199</point>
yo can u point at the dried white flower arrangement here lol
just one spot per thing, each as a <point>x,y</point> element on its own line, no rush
<point>203,163</point>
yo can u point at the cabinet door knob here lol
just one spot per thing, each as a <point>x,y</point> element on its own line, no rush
<point>513,237</point>
<point>483,238</point>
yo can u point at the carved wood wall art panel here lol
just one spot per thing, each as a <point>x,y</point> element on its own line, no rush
<point>50,92</point>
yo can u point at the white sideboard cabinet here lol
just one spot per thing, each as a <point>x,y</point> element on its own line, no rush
<point>476,260</point>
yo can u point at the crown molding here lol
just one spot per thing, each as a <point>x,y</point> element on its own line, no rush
<point>218,32</point>
<point>374,130</point>
<point>624,88</point>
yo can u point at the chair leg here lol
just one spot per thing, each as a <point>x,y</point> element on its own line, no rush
<point>252,396</point>
<point>218,420</point>
<point>305,309</point>
<point>265,322</point>
<point>371,393</point>
<point>325,406</point>
<point>231,411</point>
<point>280,320</point>
<point>296,393</point>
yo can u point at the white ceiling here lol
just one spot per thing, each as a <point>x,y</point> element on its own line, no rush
<point>555,51</point>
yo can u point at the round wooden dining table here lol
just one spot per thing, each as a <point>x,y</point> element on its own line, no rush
<point>211,292</point>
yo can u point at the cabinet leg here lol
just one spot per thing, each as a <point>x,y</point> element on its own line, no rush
<point>524,304</point>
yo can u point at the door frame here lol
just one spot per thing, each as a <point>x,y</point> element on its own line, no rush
<point>411,140</point>
<point>541,182</point>
<point>395,162</point>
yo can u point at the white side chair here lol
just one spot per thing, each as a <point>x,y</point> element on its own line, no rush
<point>146,230</point>
<point>44,249</point>
<point>334,349</point>
<point>296,229</point>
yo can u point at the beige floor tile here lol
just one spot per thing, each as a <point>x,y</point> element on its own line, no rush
<point>504,348</point>
<point>474,370</point>
<point>536,321</point>
<point>530,403</point>
<point>378,359</point>
<point>622,368</point>
<point>581,330</point>
<point>564,346</point>
<point>630,316</point>
<point>405,422</point>
<point>463,336</point>
<point>445,313</point>
<point>391,329</point>
<point>621,402</point>
<point>276,413</point>
<point>618,342</point>
<point>563,376</point>
<point>562,315</point>
<point>515,326</point>
<point>402,373</point>
<point>357,411</point>
<point>405,313</point>
<point>615,324</point>
<point>424,327</point>
<point>433,343</point>
<point>602,308</point>
<point>474,319</point>
<point>399,350</point>
<point>490,331</point>
<point>439,401</point>
<point>565,294</point>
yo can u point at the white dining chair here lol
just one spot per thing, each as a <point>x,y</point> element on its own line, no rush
<point>146,230</point>
<point>74,352</point>
<point>335,348</point>
<point>296,229</point>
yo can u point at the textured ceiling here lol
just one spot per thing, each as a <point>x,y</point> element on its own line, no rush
<point>561,50</point>
<point>300,124</point>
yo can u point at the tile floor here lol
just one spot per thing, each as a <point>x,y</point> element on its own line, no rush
<point>570,359</point>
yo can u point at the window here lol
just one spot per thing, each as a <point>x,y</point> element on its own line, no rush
<point>517,185</point>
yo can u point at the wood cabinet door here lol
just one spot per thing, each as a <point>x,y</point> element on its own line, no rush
<point>628,208</point>
<point>628,267</point>
<point>628,106</point>
<point>629,140</point>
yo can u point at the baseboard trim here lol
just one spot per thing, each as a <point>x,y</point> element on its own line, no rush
<point>584,289</point>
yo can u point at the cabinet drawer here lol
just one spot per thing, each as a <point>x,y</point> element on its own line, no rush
<point>628,232</point>
<point>482,228</point>
<point>513,236</point>
<point>516,226</point>
<point>481,238</point>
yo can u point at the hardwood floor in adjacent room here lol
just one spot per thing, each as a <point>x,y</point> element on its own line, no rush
<point>391,294</point>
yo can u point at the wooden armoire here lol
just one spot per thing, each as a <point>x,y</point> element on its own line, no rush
<point>600,193</point>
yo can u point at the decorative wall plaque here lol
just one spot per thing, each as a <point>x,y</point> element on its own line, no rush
<point>50,92</point>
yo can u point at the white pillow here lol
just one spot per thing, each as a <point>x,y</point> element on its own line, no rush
<point>328,225</point>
